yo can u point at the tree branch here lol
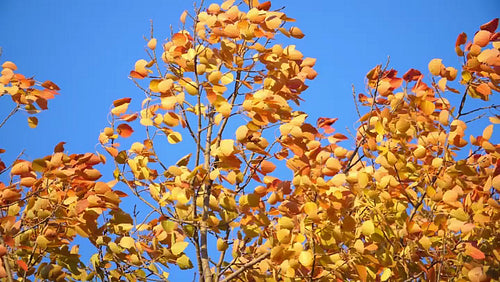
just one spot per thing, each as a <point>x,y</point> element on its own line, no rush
<point>246,266</point>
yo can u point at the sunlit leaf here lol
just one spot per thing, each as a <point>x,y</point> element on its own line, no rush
<point>179,247</point>
<point>435,66</point>
<point>32,122</point>
<point>174,138</point>
<point>124,130</point>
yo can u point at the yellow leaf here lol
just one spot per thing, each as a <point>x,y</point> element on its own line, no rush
<point>165,85</point>
<point>227,78</point>
<point>114,248</point>
<point>368,228</point>
<point>183,17</point>
<point>214,77</point>
<point>476,274</point>
<point>310,208</point>
<point>179,247</point>
<point>221,245</point>
<point>306,258</point>
<point>42,241</point>
<point>444,117</point>
<point>227,4</point>
<point>450,197</point>
<point>183,262</point>
<point>226,147</point>
<point>425,242</point>
<point>168,225</point>
<point>363,179</point>
<point>225,109</point>
<point>442,84</point>
<point>427,107</point>
<point>333,164</point>
<point>495,183</point>
<point>435,66</point>
<point>495,119</point>
<point>283,236</point>
<point>386,274</point>
<point>286,222</point>
<point>487,132</point>
<point>241,133</point>
<point>127,242</point>
<point>152,43</point>
<point>174,138</point>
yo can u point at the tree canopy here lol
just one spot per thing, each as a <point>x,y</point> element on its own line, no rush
<point>410,194</point>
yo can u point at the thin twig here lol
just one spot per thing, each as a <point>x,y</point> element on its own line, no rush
<point>16,108</point>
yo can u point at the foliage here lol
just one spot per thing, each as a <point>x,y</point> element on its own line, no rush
<point>411,199</point>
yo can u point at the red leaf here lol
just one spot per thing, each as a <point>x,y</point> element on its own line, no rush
<point>59,147</point>
<point>490,26</point>
<point>412,75</point>
<point>22,264</point>
<point>326,124</point>
<point>461,39</point>
<point>50,85</point>
<point>124,130</point>
<point>121,101</point>
<point>340,136</point>
<point>265,6</point>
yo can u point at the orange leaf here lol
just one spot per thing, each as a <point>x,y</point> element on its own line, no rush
<point>483,89</point>
<point>296,32</point>
<point>124,130</point>
<point>362,272</point>
<point>264,6</point>
<point>20,167</point>
<point>112,151</point>
<point>9,65</point>
<point>473,252</point>
<point>179,39</point>
<point>121,101</point>
<point>482,38</point>
<point>267,167</point>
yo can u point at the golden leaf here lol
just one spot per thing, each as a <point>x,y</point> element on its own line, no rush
<point>174,138</point>
<point>368,228</point>
<point>179,247</point>
<point>435,66</point>
<point>306,258</point>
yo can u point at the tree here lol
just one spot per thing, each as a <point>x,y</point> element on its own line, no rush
<point>411,199</point>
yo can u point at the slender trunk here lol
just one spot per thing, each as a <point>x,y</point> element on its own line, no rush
<point>205,261</point>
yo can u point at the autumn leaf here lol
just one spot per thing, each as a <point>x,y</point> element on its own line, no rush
<point>124,130</point>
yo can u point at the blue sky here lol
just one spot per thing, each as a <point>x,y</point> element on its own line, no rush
<point>89,47</point>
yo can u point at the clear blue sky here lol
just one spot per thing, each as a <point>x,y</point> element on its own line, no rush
<point>89,47</point>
